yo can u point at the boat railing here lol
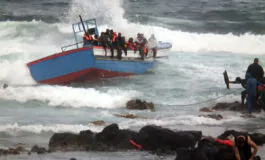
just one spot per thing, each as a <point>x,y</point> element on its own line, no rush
<point>71,46</point>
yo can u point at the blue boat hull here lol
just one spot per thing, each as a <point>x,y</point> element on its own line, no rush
<point>82,65</point>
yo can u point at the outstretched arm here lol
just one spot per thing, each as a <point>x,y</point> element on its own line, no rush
<point>254,146</point>
<point>236,152</point>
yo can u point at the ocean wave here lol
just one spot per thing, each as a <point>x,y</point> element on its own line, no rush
<point>16,128</point>
<point>66,96</point>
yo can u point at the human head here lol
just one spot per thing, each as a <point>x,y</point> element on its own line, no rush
<point>119,34</point>
<point>240,140</point>
<point>256,60</point>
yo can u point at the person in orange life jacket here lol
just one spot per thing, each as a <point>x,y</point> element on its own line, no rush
<point>145,45</point>
<point>87,39</point>
<point>113,36</point>
<point>108,36</point>
<point>130,44</point>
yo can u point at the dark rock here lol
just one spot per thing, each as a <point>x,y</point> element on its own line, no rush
<point>206,109</point>
<point>98,123</point>
<point>113,136</point>
<point>38,150</point>
<point>72,142</point>
<point>235,106</point>
<point>157,138</point>
<point>130,116</point>
<point>5,86</point>
<point>138,104</point>
<point>213,116</point>
<point>206,150</point>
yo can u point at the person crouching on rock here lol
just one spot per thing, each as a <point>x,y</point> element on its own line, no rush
<point>242,145</point>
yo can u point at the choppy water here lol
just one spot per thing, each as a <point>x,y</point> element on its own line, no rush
<point>208,37</point>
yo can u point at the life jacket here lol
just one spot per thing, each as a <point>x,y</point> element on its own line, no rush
<point>260,88</point>
<point>114,37</point>
<point>88,38</point>
<point>130,45</point>
<point>145,50</point>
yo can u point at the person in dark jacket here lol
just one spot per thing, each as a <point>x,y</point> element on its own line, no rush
<point>256,70</point>
<point>242,145</point>
<point>119,45</point>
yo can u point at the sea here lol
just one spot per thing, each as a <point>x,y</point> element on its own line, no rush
<point>207,36</point>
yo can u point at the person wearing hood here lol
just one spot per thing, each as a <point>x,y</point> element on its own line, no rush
<point>152,45</point>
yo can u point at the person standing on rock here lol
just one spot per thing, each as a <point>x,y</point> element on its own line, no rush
<point>256,70</point>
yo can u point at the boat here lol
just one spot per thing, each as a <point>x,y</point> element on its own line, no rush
<point>79,63</point>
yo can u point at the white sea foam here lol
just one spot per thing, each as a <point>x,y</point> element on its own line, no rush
<point>15,128</point>
<point>70,96</point>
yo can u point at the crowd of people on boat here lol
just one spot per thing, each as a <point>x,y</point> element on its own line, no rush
<point>111,40</point>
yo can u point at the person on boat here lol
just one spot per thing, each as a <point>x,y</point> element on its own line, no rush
<point>113,37</point>
<point>256,70</point>
<point>103,42</point>
<point>130,44</point>
<point>152,45</point>
<point>87,39</point>
<point>95,40</point>
<point>124,46</point>
<point>119,45</point>
<point>109,42</point>
<point>140,45</point>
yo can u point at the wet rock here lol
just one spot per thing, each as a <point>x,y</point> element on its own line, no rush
<point>5,86</point>
<point>213,116</point>
<point>206,109</point>
<point>130,116</point>
<point>138,104</point>
<point>113,137</point>
<point>158,138</point>
<point>206,150</point>
<point>98,123</point>
<point>38,150</point>
<point>234,106</point>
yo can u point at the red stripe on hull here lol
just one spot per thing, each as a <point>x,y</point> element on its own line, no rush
<point>58,55</point>
<point>85,75</point>
<point>66,78</point>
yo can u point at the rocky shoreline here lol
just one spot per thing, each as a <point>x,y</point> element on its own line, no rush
<point>187,145</point>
